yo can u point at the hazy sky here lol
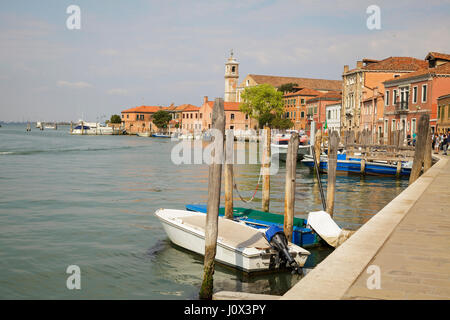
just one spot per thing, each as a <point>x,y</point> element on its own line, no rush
<point>129,53</point>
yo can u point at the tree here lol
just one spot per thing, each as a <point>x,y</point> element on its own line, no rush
<point>115,118</point>
<point>287,87</point>
<point>261,101</point>
<point>161,119</point>
<point>283,124</point>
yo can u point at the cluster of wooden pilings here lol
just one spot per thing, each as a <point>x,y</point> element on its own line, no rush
<point>359,145</point>
<point>214,187</point>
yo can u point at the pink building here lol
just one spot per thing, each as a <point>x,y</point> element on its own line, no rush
<point>409,96</point>
<point>234,118</point>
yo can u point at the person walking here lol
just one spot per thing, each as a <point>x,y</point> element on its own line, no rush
<point>445,144</point>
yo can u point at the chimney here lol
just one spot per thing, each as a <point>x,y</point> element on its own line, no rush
<point>205,99</point>
<point>346,68</point>
<point>359,64</point>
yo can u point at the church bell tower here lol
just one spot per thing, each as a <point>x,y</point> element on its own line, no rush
<point>231,79</point>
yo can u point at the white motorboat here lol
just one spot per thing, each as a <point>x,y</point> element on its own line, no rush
<point>280,144</point>
<point>92,128</point>
<point>143,134</point>
<point>238,245</point>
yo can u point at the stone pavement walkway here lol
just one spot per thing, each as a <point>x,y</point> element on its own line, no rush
<point>408,241</point>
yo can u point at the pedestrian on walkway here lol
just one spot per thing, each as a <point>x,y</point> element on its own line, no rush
<point>445,143</point>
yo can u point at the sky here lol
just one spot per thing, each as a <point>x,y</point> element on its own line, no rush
<point>143,52</point>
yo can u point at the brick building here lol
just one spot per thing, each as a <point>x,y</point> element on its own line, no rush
<point>139,119</point>
<point>295,106</point>
<point>411,95</point>
<point>359,84</point>
<point>316,108</point>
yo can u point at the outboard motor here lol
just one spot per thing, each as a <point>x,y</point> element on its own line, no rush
<point>278,241</point>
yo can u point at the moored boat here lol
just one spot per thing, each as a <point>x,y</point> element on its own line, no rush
<point>301,235</point>
<point>280,144</point>
<point>143,134</point>
<point>238,245</point>
<point>347,164</point>
<point>160,135</point>
<point>91,128</point>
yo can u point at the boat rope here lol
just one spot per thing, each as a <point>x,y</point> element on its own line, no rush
<point>254,193</point>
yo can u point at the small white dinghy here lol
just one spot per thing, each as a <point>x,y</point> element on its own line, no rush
<point>238,245</point>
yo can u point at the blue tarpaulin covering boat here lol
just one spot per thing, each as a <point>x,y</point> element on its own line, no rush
<point>301,235</point>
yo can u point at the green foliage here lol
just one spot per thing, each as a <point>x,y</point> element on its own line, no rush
<point>115,118</point>
<point>261,101</point>
<point>283,124</point>
<point>287,87</point>
<point>161,119</point>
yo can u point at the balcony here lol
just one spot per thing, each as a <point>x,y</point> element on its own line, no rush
<point>401,107</point>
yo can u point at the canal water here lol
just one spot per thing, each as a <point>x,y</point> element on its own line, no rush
<point>90,201</point>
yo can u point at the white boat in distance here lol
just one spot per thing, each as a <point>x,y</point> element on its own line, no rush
<point>92,128</point>
<point>280,144</point>
<point>143,134</point>
<point>238,245</point>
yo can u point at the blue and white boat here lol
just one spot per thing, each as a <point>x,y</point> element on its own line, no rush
<point>160,135</point>
<point>347,164</point>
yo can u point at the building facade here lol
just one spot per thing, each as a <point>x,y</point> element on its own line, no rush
<point>139,119</point>
<point>443,115</point>
<point>360,82</point>
<point>409,96</point>
<point>333,117</point>
<point>316,109</point>
<point>295,106</point>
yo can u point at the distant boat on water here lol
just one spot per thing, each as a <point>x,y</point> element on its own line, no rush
<point>143,134</point>
<point>91,128</point>
<point>160,135</point>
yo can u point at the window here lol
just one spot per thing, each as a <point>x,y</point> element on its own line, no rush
<point>386,101</point>
<point>393,125</point>
<point>191,116</point>
<point>233,69</point>
<point>122,116</point>
<point>413,125</point>
<point>137,117</point>
<point>302,114</point>
<point>246,117</point>
<point>414,97</point>
<point>439,112</point>
<point>386,127</point>
<point>329,114</point>
<point>196,115</point>
<point>424,93</point>
<point>248,83</point>
<point>128,116</point>
<point>394,96</point>
<point>142,117</point>
<point>201,115</point>
<point>183,115</point>
<point>232,116</point>
<point>302,101</point>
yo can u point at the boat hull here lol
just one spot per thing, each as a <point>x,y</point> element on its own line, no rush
<point>192,238</point>
<point>354,166</point>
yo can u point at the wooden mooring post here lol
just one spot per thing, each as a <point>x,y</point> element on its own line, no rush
<point>265,167</point>
<point>228,173</point>
<point>214,184</point>
<point>333,143</point>
<point>289,200</point>
<point>421,142</point>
